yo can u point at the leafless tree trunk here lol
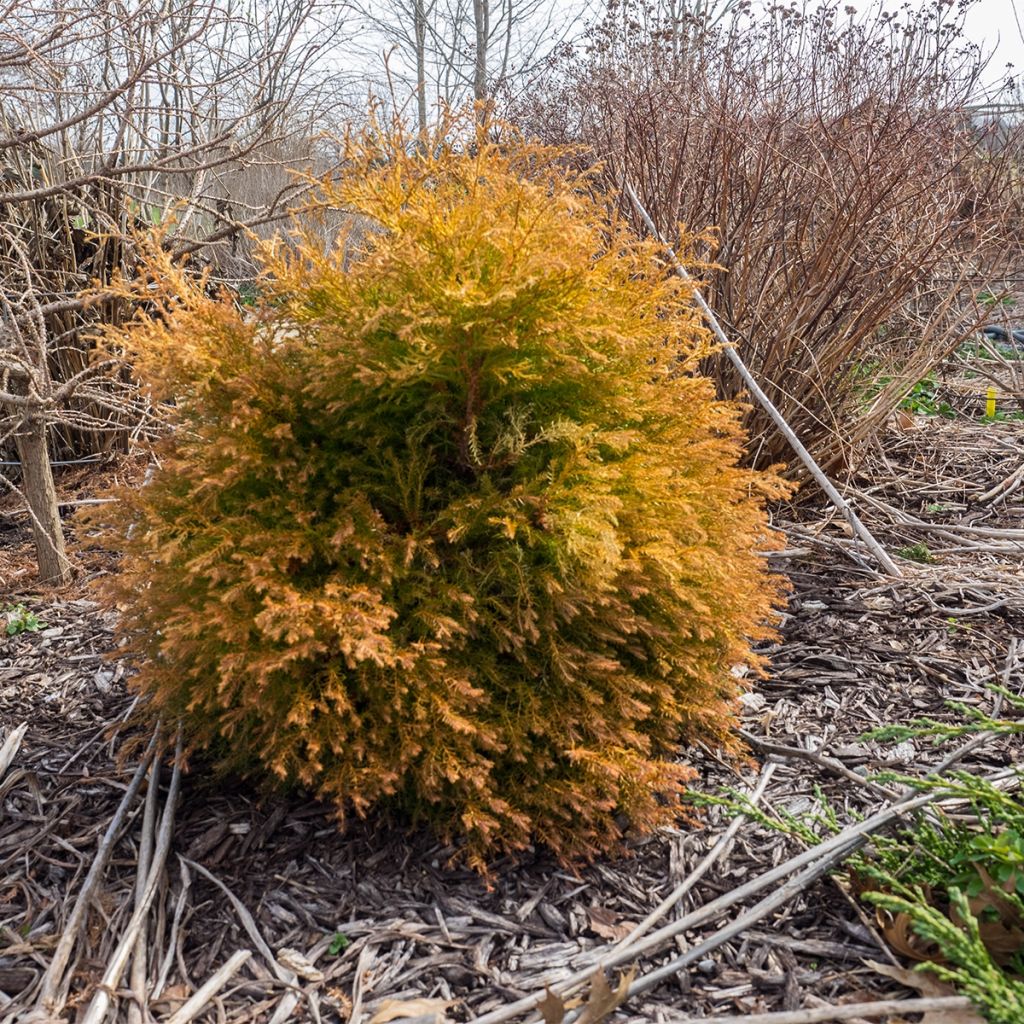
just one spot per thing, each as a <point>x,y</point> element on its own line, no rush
<point>420,31</point>
<point>41,498</point>
<point>27,401</point>
<point>462,49</point>
<point>481,17</point>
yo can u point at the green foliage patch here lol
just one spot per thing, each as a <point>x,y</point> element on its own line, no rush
<point>18,619</point>
<point>948,885</point>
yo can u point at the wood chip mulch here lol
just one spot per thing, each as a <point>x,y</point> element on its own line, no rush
<point>338,923</point>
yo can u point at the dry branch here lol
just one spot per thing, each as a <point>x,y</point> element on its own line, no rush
<point>196,1003</point>
<point>766,403</point>
<point>713,855</point>
<point>204,111</point>
<point>288,978</point>
<point>115,969</point>
<point>816,861</point>
<point>847,1011</point>
<point>12,744</point>
<point>50,1001</point>
<point>146,842</point>
<point>858,206</point>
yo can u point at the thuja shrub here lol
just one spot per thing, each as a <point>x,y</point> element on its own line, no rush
<point>447,522</point>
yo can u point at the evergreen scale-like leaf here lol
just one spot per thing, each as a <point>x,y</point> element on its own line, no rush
<point>449,521</point>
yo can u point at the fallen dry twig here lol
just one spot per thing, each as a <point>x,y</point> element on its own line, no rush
<point>52,992</point>
<point>115,969</point>
<point>847,1011</point>
<point>194,1006</point>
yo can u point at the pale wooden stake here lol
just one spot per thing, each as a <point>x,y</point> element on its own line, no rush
<point>859,529</point>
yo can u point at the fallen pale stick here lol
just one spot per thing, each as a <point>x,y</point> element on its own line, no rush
<point>779,898</point>
<point>1009,485</point>
<point>820,1014</point>
<point>755,389</point>
<point>366,957</point>
<point>956,531</point>
<point>179,911</point>
<point>285,976</point>
<point>49,1004</point>
<point>844,841</point>
<point>187,1011</point>
<point>97,1010</point>
<point>9,751</point>
<point>137,973</point>
<point>699,871</point>
<point>828,763</point>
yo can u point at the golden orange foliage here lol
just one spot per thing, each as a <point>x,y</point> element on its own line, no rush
<point>448,520</point>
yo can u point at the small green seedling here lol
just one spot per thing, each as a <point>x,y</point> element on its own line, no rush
<point>991,299</point>
<point>339,943</point>
<point>917,553</point>
<point>18,619</point>
<point>248,294</point>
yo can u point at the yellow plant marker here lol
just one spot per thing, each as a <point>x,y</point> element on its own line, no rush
<point>990,402</point>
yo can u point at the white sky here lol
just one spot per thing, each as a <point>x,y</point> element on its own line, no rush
<point>996,26</point>
<point>993,25</point>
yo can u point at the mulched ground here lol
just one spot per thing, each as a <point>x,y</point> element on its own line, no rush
<point>377,914</point>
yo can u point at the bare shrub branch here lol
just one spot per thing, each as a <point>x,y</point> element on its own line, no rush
<point>858,209</point>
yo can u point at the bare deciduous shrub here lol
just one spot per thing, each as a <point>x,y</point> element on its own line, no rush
<point>857,210</point>
<point>113,118</point>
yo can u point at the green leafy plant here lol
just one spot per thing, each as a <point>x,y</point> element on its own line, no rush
<point>923,400</point>
<point>948,888</point>
<point>18,619</point>
<point>970,721</point>
<point>986,352</point>
<point>339,943</point>
<point>449,522</point>
<point>248,294</point>
<point>868,381</point>
<point>967,962</point>
<point>957,881</point>
<point>970,855</point>
<point>1001,416</point>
